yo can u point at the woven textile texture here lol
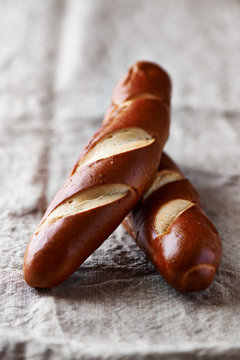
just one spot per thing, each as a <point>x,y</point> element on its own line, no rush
<point>59,62</point>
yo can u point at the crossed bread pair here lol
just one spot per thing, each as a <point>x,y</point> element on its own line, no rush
<point>109,178</point>
<point>112,177</point>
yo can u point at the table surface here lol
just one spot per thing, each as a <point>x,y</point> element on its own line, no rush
<point>59,61</point>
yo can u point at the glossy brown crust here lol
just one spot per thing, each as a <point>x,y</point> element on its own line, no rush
<point>188,254</point>
<point>143,75</point>
<point>58,249</point>
<point>140,164</point>
<point>142,79</point>
<point>56,252</point>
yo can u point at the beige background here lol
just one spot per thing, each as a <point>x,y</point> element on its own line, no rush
<point>59,61</point>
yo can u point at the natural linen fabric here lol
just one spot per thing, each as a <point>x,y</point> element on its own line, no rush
<point>59,61</point>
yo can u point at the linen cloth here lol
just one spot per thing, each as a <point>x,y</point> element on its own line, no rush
<point>59,61</point>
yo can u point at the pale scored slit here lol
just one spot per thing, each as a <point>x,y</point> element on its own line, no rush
<point>137,97</point>
<point>116,143</point>
<point>169,212</point>
<point>162,178</point>
<point>86,200</point>
<point>144,95</point>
